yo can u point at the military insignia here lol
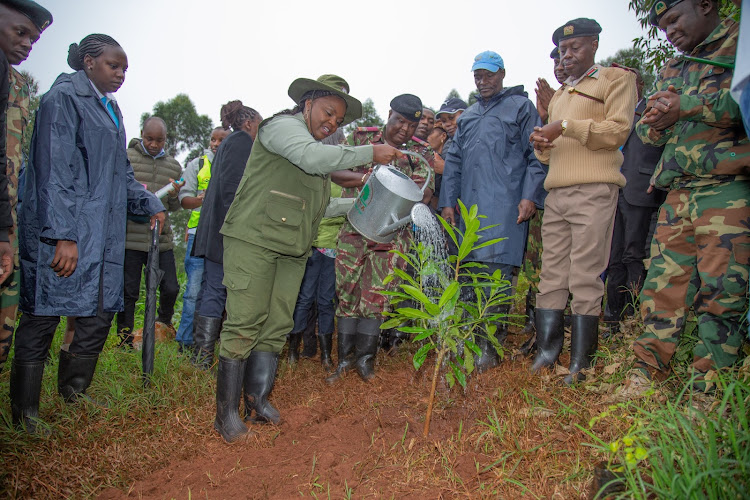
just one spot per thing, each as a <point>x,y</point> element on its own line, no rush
<point>44,26</point>
<point>660,8</point>
<point>417,114</point>
<point>568,30</point>
<point>592,72</point>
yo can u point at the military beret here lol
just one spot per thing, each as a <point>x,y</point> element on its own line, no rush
<point>409,106</point>
<point>660,8</point>
<point>38,15</point>
<point>555,54</point>
<point>575,28</point>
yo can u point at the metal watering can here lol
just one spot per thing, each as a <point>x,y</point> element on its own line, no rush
<point>385,203</point>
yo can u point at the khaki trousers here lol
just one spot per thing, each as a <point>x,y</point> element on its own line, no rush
<point>576,239</point>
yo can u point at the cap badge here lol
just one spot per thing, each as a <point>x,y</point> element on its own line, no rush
<point>568,30</point>
<point>660,8</point>
<point>417,114</point>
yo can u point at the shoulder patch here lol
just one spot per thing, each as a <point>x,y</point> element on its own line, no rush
<point>368,129</point>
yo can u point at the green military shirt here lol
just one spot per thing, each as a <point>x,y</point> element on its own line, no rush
<point>18,119</point>
<point>285,188</point>
<point>708,143</point>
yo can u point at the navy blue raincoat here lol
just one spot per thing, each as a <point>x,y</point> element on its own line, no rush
<point>491,164</point>
<point>79,187</point>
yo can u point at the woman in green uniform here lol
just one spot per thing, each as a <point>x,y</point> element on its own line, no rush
<point>268,233</point>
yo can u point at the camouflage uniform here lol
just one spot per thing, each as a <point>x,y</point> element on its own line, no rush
<point>700,253</point>
<point>18,118</point>
<point>362,264</point>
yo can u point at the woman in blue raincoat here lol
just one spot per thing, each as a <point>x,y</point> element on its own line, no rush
<point>79,189</point>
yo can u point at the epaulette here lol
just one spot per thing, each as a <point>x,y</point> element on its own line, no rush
<point>368,129</point>
<point>419,141</point>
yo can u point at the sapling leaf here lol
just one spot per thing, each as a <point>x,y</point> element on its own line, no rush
<point>422,298</point>
<point>449,378</point>
<point>488,243</point>
<point>469,360</point>
<point>391,323</point>
<point>458,373</point>
<point>473,347</point>
<point>411,329</point>
<point>411,313</point>
<point>449,294</point>
<point>405,276</point>
<point>421,355</point>
<point>423,335</point>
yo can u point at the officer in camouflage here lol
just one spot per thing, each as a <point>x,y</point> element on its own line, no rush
<point>701,248</point>
<point>362,264</point>
<point>21,24</point>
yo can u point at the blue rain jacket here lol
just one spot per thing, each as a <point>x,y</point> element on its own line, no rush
<point>491,164</point>
<point>79,187</point>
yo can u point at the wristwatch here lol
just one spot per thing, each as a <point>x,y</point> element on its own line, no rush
<point>564,125</point>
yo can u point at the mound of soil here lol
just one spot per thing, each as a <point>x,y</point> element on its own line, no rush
<point>508,434</point>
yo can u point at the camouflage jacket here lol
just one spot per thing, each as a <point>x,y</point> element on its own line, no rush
<point>18,119</point>
<point>708,143</point>
<point>414,168</point>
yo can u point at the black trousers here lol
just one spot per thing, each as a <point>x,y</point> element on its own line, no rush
<point>169,288</point>
<point>626,270</point>
<point>34,335</point>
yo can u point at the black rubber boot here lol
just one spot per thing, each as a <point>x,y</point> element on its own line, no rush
<point>205,334</point>
<point>229,380</point>
<point>309,337</point>
<point>346,341</point>
<point>294,341</point>
<point>549,337</point>
<point>25,388</point>
<point>529,326</point>
<point>74,376</point>
<point>584,339</point>
<point>395,339</point>
<point>489,358</point>
<point>368,338</point>
<point>260,374</point>
<point>325,340</point>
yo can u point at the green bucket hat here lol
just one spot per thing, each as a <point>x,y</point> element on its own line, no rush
<point>330,83</point>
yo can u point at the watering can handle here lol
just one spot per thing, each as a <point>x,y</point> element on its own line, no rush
<point>420,157</point>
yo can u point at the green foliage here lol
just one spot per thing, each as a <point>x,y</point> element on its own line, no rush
<point>633,57</point>
<point>473,97</point>
<point>453,94</point>
<point>187,131</point>
<point>34,99</point>
<point>452,310</point>
<point>678,451</point>
<point>370,118</point>
<point>656,49</point>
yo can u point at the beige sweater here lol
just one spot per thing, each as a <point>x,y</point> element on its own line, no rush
<point>599,110</point>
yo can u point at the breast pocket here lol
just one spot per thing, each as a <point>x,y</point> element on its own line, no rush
<point>283,217</point>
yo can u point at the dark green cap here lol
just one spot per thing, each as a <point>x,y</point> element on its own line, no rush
<point>409,106</point>
<point>660,8</point>
<point>575,28</point>
<point>40,16</point>
<point>555,54</point>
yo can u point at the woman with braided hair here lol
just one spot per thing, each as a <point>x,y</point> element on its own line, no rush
<point>226,172</point>
<point>79,189</point>
<point>268,233</point>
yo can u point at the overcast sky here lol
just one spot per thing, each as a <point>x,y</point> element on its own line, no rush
<point>219,50</point>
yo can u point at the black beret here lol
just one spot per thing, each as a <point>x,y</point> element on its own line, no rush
<point>575,28</point>
<point>660,8</point>
<point>409,106</point>
<point>555,54</point>
<point>40,16</point>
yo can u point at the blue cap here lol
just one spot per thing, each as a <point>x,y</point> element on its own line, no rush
<point>491,61</point>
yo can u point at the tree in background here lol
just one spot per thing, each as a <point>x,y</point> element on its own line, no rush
<point>34,99</point>
<point>370,118</point>
<point>187,131</point>
<point>656,49</point>
<point>453,94</point>
<point>633,57</point>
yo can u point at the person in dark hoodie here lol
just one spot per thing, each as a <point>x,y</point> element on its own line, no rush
<point>153,168</point>
<point>491,165</point>
<point>226,172</point>
<point>78,191</point>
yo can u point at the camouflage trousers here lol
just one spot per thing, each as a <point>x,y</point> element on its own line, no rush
<point>361,267</point>
<point>9,304</point>
<point>700,256</point>
<point>532,261</point>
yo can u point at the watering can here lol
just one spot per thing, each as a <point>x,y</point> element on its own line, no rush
<point>385,202</point>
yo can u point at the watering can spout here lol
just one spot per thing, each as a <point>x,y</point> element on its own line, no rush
<point>392,228</point>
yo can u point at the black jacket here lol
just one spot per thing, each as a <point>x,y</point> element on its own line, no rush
<point>638,167</point>
<point>226,172</point>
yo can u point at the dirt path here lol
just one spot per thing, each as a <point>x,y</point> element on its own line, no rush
<point>510,435</point>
